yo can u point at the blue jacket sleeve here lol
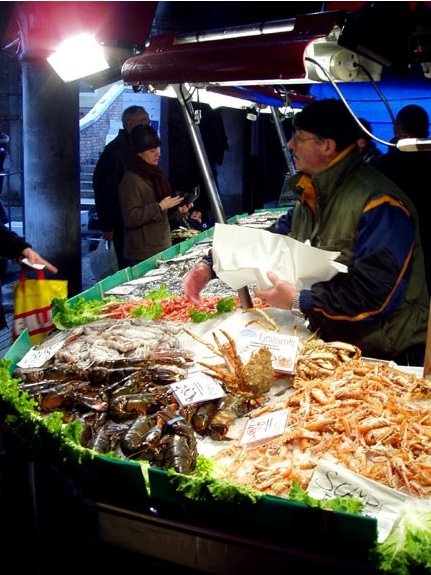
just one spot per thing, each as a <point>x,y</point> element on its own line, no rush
<point>376,281</point>
<point>283,224</point>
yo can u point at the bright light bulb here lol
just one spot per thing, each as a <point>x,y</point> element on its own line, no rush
<point>78,57</point>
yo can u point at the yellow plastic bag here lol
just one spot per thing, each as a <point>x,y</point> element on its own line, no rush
<point>33,305</point>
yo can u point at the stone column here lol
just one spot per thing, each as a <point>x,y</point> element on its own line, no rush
<point>52,222</point>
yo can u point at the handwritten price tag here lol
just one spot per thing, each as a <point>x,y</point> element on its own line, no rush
<point>265,427</point>
<point>333,480</point>
<point>37,356</point>
<point>197,389</point>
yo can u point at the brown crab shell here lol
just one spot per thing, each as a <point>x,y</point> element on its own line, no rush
<point>257,374</point>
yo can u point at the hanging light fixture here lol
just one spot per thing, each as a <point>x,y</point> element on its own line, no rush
<point>77,57</point>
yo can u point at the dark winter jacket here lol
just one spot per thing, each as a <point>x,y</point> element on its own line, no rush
<point>110,168</point>
<point>146,227</point>
<point>381,304</point>
<point>410,171</point>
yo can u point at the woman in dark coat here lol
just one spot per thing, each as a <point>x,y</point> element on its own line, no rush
<point>145,198</point>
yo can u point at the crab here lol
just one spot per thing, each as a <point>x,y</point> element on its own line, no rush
<point>319,359</point>
<point>252,379</point>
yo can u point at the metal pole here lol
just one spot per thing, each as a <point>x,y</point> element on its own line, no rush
<point>213,195</point>
<point>188,112</point>
<point>282,137</point>
<point>427,361</point>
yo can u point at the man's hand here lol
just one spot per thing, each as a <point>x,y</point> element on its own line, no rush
<point>195,281</point>
<point>34,258</point>
<point>280,295</point>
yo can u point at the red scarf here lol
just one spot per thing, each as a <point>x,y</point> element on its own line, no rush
<point>154,174</point>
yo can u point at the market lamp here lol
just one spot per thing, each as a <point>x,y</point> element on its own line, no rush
<point>82,57</point>
<point>78,57</point>
<point>90,40</point>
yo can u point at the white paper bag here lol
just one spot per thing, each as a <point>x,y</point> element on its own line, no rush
<point>243,256</point>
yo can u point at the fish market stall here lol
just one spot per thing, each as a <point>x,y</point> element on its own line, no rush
<point>333,415</point>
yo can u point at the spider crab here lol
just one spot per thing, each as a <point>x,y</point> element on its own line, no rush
<point>251,379</point>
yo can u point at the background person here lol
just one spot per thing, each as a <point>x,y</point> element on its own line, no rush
<point>366,144</point>
<point>411,170</point>
<point>4,141</point>
<point>196,220</point>
<point>145,197</point>
<point>107,176</point>
<point>180,216</point>
<point>343,204</point>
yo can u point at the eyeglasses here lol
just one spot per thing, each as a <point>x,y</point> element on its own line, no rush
<point>296,138</point>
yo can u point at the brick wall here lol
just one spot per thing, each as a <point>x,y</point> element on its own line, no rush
<point>93,138</point>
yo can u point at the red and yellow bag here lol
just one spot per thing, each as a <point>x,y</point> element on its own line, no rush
<point>33,305</point>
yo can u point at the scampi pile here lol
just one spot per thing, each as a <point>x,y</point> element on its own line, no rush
<point>375,420</point>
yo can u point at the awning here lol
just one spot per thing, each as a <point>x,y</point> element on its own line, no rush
<point>263,58</point>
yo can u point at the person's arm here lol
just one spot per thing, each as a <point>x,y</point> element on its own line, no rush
<point>375,281</point>
<point>197,278</point>
<point>34,258</point>
<point>138,203</point>
<point>283,224</point>
<point>16,247</point>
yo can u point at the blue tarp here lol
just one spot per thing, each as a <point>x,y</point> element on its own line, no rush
<point>366,102</point>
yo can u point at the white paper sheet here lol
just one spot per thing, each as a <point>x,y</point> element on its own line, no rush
<point>243,256</point>
<point>333,480</point>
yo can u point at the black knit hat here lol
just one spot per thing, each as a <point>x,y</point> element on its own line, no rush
<point>329,119</point>
<point>144,138</point>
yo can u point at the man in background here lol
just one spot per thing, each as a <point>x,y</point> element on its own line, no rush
<point>366,144</point>
<point>107,176</point>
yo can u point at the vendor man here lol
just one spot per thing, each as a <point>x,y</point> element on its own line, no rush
<point>345,205</point>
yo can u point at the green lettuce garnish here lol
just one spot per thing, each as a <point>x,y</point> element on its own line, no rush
<point>346,504</point>
<point>160,293</point>
<point>224,305</point>
<point>407,549</point>
<point>84,311</point>
<point>203,484</point>
<point>151,311</point>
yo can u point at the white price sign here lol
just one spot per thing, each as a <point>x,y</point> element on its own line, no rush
<point>265,427</point>
<point>197,389</point>
<point>38,355</point>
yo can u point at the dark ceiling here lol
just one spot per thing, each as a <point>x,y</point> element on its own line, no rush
<point>170,17</point>
<point>198,16</point>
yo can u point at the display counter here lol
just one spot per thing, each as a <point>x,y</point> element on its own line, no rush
<point>138,508</point>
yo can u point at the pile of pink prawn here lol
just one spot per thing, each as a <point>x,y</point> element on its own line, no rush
<point>374,419</point>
